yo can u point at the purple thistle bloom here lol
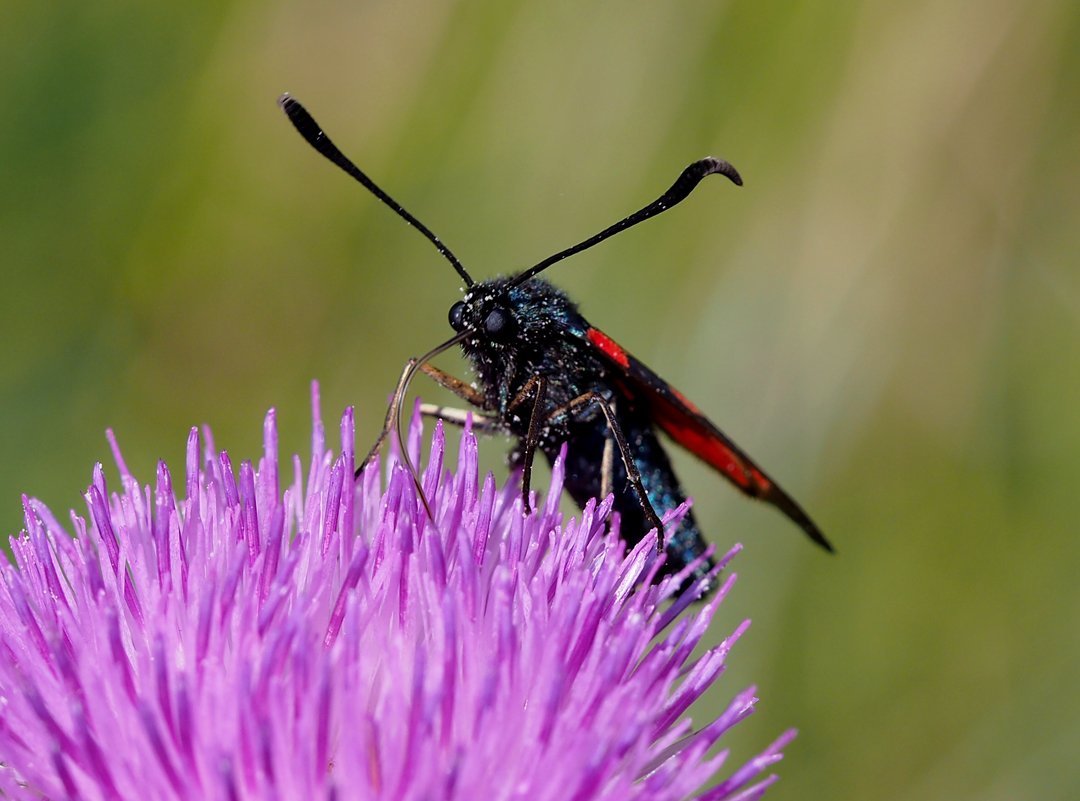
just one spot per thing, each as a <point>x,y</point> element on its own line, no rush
<point>241,641</point>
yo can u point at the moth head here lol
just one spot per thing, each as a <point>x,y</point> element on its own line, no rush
<point>489,314</point>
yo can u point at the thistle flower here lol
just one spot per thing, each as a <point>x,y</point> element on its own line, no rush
<point>328,640</point>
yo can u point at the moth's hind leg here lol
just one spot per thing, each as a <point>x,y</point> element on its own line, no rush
<point>593,398</point>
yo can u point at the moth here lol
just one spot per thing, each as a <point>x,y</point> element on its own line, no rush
<point>547,377</point>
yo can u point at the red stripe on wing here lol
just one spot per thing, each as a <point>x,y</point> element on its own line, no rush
<point>609,347</point>
<point>691,429</point>
<point>695,434</point>
<point>679,418</point>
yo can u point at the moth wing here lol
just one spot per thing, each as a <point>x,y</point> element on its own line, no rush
<point>688,427</point>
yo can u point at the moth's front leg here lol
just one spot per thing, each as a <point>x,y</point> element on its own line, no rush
<point>443,379</point>
<point>391,417</point>
<point>462,389</point>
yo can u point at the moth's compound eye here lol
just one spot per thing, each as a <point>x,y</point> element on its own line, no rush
<point>499,323</point>
<point>457,314</point>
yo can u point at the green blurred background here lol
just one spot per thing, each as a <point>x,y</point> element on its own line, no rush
<point>886,315</point>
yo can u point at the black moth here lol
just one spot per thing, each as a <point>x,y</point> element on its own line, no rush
<point>548,377</point>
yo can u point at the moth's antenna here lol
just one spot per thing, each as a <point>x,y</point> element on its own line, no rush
<point>310,130</point>
<point>682,187</point>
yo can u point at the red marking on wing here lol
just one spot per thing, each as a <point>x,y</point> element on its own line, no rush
<point>683,399</point>
<point>760,478</point>
<point>679,418</point>
<point>609,347</point>
<point>695,434</point>
<point>691,429</point>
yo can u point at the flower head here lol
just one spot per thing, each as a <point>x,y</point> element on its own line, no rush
<point>328,640</point>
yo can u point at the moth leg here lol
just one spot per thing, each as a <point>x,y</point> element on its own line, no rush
<point>632,473</point>
<point>607,467</point>
<point>532,438</point>
<point>481,421</point>
<point>466,392</point>
<point>537,387</point>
